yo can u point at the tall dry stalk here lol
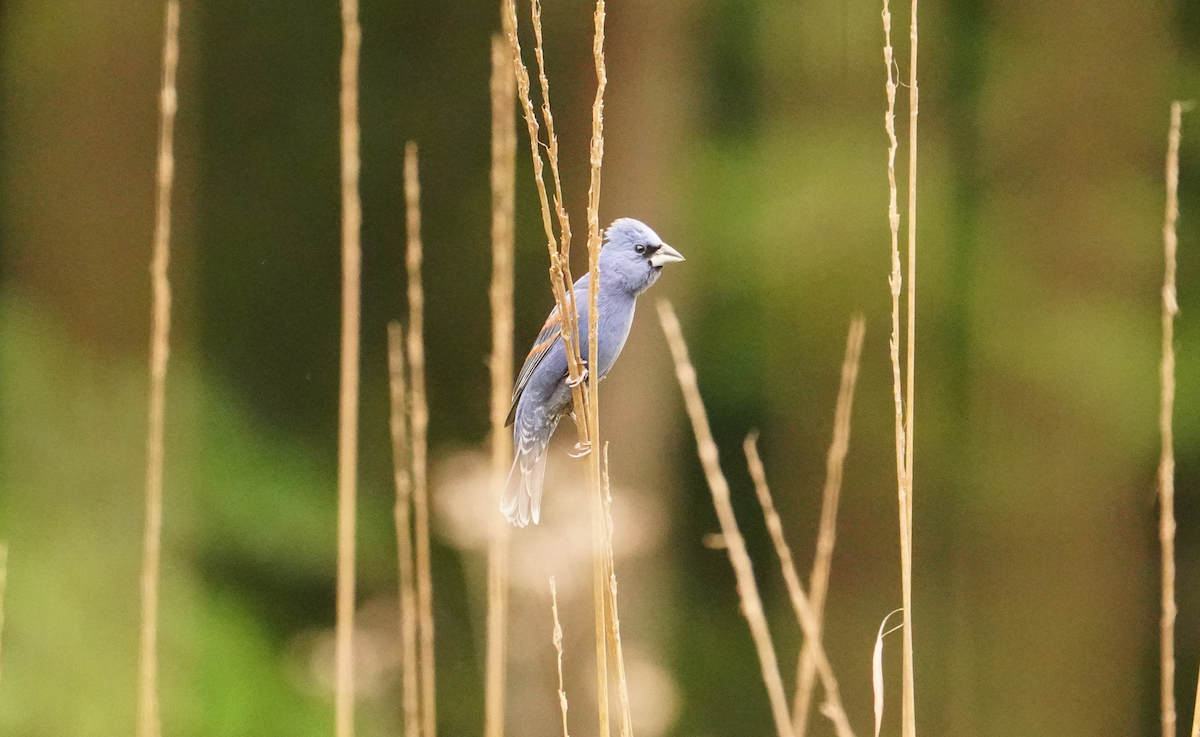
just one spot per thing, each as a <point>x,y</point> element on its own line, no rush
<point>148,717</point>
<point>752,606</point>
<point>560,266</point>
<point>348,398</point>
<point>504,145</point>
<point>818,584</point>
<point>402,471</point>
<point>604,580</point>
<point>585,399</point>
<point>904,400</point>
<point>1166,465</point>
<point>909,707</point>
<point>420,429</point>
<point>803,609</point>
<point>614,619</point>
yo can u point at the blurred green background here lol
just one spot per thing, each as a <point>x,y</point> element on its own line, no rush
<point>749,134</point>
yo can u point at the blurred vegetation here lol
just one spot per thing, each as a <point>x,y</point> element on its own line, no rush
<point>749,134</point>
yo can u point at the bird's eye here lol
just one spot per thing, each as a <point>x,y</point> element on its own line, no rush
<point>640,249</point>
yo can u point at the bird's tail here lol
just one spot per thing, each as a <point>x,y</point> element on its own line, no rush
<point>522,500</point>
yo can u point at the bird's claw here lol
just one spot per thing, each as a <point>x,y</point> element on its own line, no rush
<point>582,448</point>
<point>583,374</point>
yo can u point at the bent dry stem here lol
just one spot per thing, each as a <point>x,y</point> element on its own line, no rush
<point>827,534</point>
<point>738,557</point>
<point>584,398</point>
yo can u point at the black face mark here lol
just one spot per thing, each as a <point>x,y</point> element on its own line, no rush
<point>644,250</point>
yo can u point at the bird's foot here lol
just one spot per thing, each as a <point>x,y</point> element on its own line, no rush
<point>582,448</point>
<point>583,374</point>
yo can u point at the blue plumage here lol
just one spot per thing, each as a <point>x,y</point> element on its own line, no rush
<point>630,261</point>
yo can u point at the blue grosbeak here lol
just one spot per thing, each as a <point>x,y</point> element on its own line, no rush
<point>630,261</point>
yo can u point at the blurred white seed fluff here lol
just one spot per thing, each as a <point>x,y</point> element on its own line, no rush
<point>653,694</point>
<point>376,653</point>
<point>561,545</point>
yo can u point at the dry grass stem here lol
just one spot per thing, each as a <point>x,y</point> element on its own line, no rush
<point>560,210</point>
<point>560,259</point>
<point>747,588</point>
<point>504,144</point>
<point>826,536</point>
<point>558,640</point>
<point>420,426</point>
<point>348,400</point>
<point>909,707</point>
<point>877,669</point>
<point>1166,465</point>
<point>604,578</point>
<point>903,422</point>
<point>148,717</point>
<point>895,280</point>
<point>560,272</point>
<point>614,620</point>
<point>404,542</point>
<point>803,609</point>
<point>585,399</point>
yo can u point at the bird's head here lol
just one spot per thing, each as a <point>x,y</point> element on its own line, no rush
<point>633,255</point>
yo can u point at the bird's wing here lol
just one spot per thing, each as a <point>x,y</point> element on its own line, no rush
<point>551,333</point>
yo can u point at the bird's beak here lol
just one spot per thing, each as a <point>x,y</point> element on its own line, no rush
<point>665,255</point>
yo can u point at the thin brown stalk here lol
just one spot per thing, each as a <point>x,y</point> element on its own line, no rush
<point>747,588</point>
<point>1166,465</point>
<point>560,210</point>
<point>801,606</point>
<point>420,425</point>
<point>826,536</point>
<point>909,708</point>
<point>148,717</point>
<point>348,401</point>
<point>614,621</point>
<point>558,640</point>
<point>604,577</point>
<point>895,280</point>
<point>504,144</point>
<point>586,421</point>
<point>903,430</point>
<point>404,541</point>
<point>560,273</point>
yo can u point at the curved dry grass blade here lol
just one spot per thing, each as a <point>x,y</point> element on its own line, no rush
<point>827,533</point>
<point>877,670</point>
<point>148,717</point>
<point>404,544</point>
<point>744,571</point>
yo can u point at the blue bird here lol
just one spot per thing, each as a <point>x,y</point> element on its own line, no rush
<point>630,261</point>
